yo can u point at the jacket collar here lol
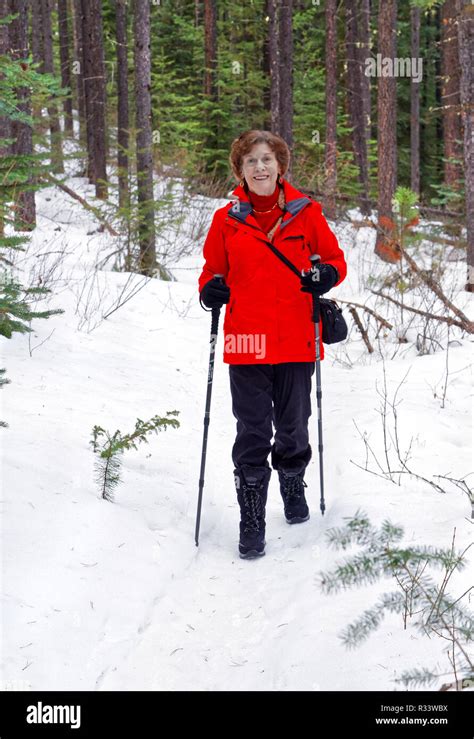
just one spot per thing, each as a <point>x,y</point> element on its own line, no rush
<point>241,209</point>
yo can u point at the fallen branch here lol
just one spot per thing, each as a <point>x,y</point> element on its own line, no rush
<point>462,485</point>
<point>466,326</point>
<point>437,290</point>
<point>381,320</point>
<point>83,202</point>
<point>362,330</point>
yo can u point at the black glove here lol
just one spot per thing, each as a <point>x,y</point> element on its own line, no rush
<point>320,279</point>
<point>214,293</point>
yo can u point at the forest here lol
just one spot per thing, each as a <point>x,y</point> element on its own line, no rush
<point>158,87</point>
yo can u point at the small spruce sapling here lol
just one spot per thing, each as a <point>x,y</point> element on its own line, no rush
<point>109,449</point>
<point>418,596</point>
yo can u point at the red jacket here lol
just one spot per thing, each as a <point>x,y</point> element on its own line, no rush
<point>268,319</point>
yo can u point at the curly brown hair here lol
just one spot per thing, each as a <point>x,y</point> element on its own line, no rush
<point>244,143</point>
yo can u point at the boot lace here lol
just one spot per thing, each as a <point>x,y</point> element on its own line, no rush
<point>253,508</point>
<point>292,489</point>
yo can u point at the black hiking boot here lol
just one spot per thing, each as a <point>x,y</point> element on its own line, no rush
<point>292,487</point>
<point>251,484</point>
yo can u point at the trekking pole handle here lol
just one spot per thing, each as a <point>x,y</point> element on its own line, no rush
<point>315,259</point>
<point>216,311</point>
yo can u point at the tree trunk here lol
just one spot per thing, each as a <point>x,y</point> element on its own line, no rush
<point>144,137</point>
<point>438,104</point>
<point>274,60</point>
<point>466,63</point>
<point>363,53</point>
<point>267,72</point>
<point>5,130</point>
<point>63,28</point>
<point>22,133</point>
<point>210,74</point>
<point>78,70</point>
<point>415,14</point>
<point>354,94</point>
<point>122,103</point>
<point>37,35</point>
<point>210,48</point>
<point>88,93</point>
<point>450,83</point>
<point>94,88</point>
<point>57,164</point>
<point>331,109</point>
<point>286,76</point>
<point>387,129</point>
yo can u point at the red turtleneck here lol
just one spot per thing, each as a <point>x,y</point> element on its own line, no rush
<point>266,202</point>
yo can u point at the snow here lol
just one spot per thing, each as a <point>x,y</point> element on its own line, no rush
<point>116,596</point>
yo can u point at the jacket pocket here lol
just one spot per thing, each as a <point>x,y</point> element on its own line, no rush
<point>298,236</point>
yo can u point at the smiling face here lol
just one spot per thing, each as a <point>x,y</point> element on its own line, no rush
<point>260,168</point>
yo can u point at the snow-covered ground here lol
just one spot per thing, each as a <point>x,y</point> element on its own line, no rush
<point>116,596</point>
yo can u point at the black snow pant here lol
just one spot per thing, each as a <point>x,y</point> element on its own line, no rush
<point>266,393</point>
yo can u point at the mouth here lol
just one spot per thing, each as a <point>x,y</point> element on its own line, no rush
<point>261,177</point>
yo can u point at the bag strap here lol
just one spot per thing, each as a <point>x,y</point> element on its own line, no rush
<point>284,259</point>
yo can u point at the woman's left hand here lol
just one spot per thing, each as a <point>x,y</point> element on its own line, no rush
<point>319,279</point>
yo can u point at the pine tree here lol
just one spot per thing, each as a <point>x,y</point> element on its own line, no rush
<point>63,28</point>
<point>210,78</point>
<point>331,109</point>
<point>5,128</point>
<point>57,164</point>
<point>122,101</point>
<point>466,56</point>
<point>94,93</point>
<point>274,64</point>
<point>144,140</point>
<point>355,74</point>
<point>286,76</point>
<point>78,70</point>
<point>387,125</point>
<point>21,128</point>
<point>415,105</point>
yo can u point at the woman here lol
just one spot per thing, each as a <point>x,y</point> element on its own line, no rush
<point>269,335</point>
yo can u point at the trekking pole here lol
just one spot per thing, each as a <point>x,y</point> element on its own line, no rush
<point>315,259</point>
<point>207,414</point>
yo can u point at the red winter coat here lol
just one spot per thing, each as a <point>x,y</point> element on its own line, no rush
<point>268,319</point>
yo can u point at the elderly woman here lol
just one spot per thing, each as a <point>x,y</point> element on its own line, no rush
<point>269,335</point>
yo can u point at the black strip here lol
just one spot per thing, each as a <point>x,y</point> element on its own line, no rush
<point>281,256</point>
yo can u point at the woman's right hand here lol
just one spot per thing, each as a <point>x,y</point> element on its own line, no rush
<point>215,293</point>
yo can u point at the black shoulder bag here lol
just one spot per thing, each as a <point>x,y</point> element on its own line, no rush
<point>334,324</point>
